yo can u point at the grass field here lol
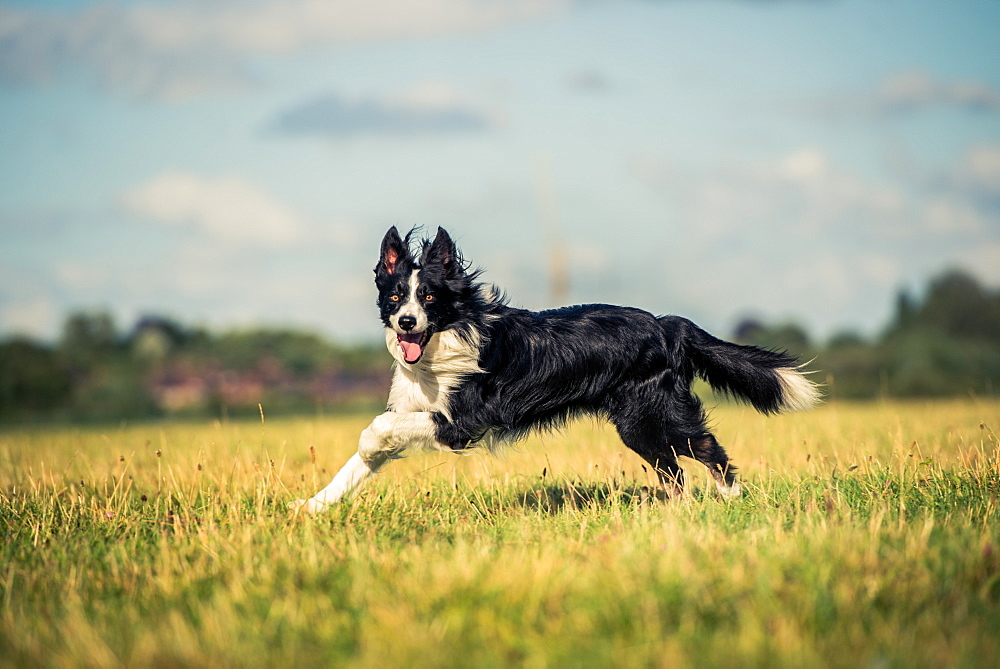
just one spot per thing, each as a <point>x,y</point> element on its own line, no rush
<point>867,536</point>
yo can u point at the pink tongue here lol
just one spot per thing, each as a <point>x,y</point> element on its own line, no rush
<point>412,349</point>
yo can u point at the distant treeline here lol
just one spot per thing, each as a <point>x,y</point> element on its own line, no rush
<point>946,343</point>
<point>161,367</point>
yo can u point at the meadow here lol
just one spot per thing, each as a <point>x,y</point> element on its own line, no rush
<point>868,535</point>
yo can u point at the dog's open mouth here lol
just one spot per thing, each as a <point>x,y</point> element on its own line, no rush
<point>413,344</point>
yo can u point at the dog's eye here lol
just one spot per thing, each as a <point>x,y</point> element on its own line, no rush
<point>394,298</point>
<point>428,298</point>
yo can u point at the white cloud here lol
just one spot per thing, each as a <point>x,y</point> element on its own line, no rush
<point>800,236</point>
<point>228,208</point>
<point>80,276</point>
<point>824,187</point>
<point>906,93</point>
<point>797,196</point>
<point>174,50</point>
<point>910,91</point>
<point>431,95</point>
<point>948,215</point>
<point>965,197</point>
<point>223,285</point>
<point>804,165</point>
<point>880,268</point>
<point>980,169</point>
<point>984,260</point>
<point>35,317</point>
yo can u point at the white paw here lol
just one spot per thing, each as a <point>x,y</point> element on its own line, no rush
<point>731,491</point>
<point>310,506</point>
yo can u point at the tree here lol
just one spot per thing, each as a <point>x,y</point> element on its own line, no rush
<point>959,307</point>
<point>32,380</point>
<point>949,344</point>
<point>87,338</point>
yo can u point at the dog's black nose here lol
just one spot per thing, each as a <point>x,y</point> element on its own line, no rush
<point>407,323</point>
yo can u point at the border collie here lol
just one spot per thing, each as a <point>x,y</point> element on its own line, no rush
<point>471,371</point>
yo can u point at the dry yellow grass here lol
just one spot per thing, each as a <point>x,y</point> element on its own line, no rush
<point>867,536</point>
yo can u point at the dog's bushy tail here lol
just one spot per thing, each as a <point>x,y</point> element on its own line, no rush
<point>771,381</point>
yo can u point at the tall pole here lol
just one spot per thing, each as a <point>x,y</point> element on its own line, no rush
<point>548,214</point>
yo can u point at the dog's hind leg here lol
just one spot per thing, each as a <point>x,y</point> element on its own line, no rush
<point>689,436</point>
<point>706,450</point>
<point>384,439</point>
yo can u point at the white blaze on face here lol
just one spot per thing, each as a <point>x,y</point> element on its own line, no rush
<point>411,307</point>
<point>412,341</point>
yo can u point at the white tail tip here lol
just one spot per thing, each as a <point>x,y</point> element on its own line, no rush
<point>798,393</point>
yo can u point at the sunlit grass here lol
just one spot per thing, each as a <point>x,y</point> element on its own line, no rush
<point>868,535</point>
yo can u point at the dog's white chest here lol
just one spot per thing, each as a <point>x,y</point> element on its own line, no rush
<point>427,385</point>
<point>410,392</point>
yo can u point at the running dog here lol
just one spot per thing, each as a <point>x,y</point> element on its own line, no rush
<point>472,371</point>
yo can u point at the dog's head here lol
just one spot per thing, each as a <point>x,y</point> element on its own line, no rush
<point>420,297</point>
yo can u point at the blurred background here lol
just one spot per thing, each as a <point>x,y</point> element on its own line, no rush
<point>192,192</point>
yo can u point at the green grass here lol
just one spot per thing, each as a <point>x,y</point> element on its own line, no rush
<point>867,535</point>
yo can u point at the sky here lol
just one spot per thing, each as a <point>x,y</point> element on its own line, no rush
<point>236,163</point>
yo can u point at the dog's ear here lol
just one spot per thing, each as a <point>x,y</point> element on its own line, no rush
<point>442,252</point>
<point>394,251</point>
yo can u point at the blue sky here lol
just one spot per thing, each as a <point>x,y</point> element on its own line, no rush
<point>236,163</point>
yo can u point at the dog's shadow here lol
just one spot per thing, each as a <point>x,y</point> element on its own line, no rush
<point>553,497</point>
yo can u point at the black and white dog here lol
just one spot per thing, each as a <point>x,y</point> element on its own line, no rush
<point>472,371</point>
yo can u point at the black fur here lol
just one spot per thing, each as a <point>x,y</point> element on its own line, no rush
<point>539,369</point>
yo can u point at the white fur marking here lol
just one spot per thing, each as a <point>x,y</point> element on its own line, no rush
<point>392,433</point>
<point>426,384</point>
<point>385,438</point>
<point>412,307</point>
<point>350,476</point>
<point>798,393</point>
<point>730,491</point>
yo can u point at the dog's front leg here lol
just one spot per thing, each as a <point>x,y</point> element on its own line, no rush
<point>384,439</point>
